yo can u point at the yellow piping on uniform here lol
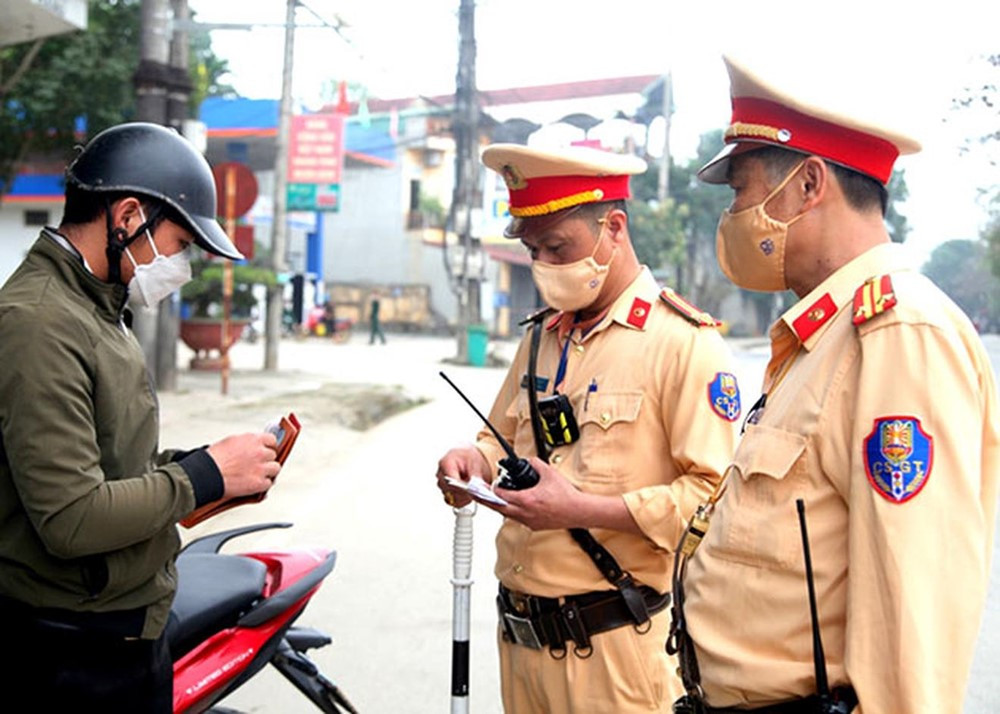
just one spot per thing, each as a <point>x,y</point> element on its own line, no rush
<point>741,129</point>
<point>543,209</point>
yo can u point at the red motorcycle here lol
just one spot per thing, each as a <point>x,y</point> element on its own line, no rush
<point>233,614</point>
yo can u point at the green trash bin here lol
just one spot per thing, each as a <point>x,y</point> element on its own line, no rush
<point>477,338</point>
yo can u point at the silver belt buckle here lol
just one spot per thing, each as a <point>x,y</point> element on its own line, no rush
<point>523,631</point>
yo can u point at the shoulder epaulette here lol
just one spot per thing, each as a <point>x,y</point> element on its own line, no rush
<point>688,311</point>
<point>873,298</point>
<point>536,316</point>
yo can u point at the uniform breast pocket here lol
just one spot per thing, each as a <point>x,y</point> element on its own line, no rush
<point>520,413</point>
<point>607,429</point>
<point>757,521</point>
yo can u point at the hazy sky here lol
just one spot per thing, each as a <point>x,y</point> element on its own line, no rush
<point>886,60</point>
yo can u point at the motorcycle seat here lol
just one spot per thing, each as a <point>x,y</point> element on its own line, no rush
<point>213,591</point>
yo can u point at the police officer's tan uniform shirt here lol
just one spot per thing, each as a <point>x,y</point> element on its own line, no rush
<point>889,432</point>
<point>640,385</point>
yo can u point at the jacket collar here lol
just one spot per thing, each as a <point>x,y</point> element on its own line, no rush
<point>810,318</point>
<point>67,263</point>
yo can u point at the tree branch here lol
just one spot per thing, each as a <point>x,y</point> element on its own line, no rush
<point>26,61</point>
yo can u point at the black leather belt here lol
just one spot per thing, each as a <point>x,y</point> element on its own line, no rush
<point>843,700</point>
<point>538,622</point>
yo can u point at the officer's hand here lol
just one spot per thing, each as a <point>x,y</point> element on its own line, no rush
<point>552,503</point>
<point>247,463</point>
<point>462,463</point>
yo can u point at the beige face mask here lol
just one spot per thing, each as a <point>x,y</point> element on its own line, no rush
<point>750,245</point>
<point>575,285</point>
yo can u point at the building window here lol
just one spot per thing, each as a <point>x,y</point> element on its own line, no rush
<point>36,218</point>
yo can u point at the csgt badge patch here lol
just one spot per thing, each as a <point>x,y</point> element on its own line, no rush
<point>898,457</point>
<point>724,396</point>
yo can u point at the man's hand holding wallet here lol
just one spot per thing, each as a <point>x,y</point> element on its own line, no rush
<point>254,453</point>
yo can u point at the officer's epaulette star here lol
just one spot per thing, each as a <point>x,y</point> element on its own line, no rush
<point>536,316</point>
<point>873,298</point>
<point>688,311</point>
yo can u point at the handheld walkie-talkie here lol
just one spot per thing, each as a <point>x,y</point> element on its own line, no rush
<point>516,474</point>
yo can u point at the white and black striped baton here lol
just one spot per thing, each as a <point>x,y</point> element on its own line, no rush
<point>462,584</point>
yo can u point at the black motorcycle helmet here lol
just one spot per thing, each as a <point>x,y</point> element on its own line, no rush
<point>152,160</point>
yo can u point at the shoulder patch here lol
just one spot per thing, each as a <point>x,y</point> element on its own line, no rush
<point>688,311</point>
<point>724,396</point>
<point>873,298</point>
<point>638,313</point>
<point>898,456</point>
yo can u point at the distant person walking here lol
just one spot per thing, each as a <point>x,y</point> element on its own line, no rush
<point>376,327</point>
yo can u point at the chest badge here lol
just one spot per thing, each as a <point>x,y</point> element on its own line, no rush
<point>724,396</point>
<point>898,456</point>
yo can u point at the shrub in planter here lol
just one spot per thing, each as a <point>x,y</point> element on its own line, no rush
<point>203,294</point>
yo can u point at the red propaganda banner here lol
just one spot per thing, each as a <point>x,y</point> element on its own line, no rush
<point>316,149</point>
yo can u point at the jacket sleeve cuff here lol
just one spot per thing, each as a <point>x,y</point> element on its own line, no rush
<point>205,477</point>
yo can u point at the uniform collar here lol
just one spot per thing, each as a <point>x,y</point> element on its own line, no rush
<point>630,309</point>
<point>809,319</point>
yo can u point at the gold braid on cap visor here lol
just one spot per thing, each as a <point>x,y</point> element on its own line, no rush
<point>558,204</point>
<point>740,129</point>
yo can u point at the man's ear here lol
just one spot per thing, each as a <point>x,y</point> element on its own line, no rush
<point>616,222</point>
<point>815,177</point>
<point>126,214</point>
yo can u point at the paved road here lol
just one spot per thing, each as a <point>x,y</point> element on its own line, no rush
<point>368,495</point>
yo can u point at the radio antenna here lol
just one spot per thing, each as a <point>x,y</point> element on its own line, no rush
<point>503,442</point>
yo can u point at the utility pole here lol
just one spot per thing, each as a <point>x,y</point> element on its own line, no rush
<point>275,300</point>
<point>178,93</point>
<point>663,186</point>
<point>465,197</point>
<point>151,81</point>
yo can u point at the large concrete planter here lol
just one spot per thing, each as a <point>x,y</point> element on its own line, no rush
<point>204,336</point>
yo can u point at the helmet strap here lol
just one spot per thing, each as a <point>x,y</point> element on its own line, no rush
<point>119,239</point>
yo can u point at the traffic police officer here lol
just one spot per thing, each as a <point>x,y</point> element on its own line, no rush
<point>634,405</point>
<point>879,412</point>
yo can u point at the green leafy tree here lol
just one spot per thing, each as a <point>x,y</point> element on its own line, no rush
<point>895,221</point>
<point>207,71</point>
<point>960,269</point>
<point>991,238</point>
<point>657,232</point>
<point>50,84</point>
<point>702,280</point>
<point>56,91</point>
<point>978,103</point>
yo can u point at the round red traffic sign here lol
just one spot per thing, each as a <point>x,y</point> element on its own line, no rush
<point>235,188</point>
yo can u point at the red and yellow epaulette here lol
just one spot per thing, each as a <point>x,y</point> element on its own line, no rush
<point>688,311</point>
<point>873,298</point>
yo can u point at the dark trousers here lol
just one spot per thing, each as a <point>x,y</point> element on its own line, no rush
<point>59,668</point>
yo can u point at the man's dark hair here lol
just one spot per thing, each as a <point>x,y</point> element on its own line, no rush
<point>84,206</point>
<point>863,193</point>
<point>593,212</point>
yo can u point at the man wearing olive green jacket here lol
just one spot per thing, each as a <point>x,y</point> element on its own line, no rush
<point>88,504</point>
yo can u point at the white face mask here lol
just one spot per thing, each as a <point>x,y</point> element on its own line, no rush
<point>153,281</point>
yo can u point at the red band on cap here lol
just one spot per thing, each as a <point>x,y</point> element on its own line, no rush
<point>548,194</point>
<point>854,149</point>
